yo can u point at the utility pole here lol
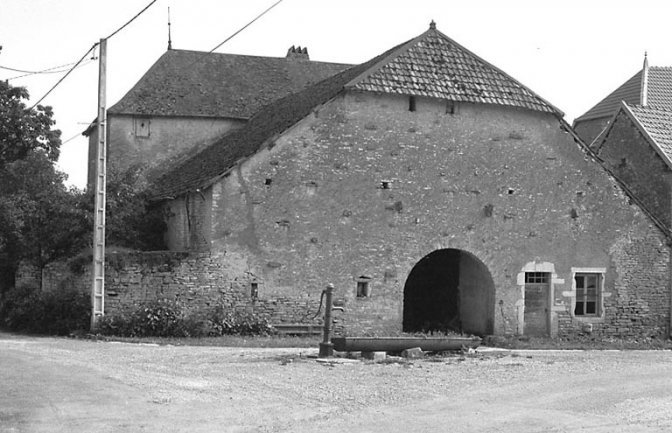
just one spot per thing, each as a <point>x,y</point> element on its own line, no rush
<point>98,286</point>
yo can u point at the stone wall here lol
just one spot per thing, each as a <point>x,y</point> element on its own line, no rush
<point>365,187</point>
<point>198,280</point>
<point>630,157</point>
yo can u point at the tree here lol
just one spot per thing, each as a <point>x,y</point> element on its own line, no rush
<point>131,221</point>
<point>28,180</point>
<point>41,220</point>
<point>23,130</point>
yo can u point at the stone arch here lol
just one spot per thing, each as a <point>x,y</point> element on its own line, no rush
<point>449,289</point>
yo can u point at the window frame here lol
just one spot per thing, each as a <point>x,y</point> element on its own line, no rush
<point>582,298</point>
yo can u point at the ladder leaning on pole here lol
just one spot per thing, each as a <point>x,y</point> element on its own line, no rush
<point>98,288</point>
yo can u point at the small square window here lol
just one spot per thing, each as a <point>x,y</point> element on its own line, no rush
<point>254,290</point>
<point>587,294</point>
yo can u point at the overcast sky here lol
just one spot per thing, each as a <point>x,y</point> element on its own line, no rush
<point>571,52</point>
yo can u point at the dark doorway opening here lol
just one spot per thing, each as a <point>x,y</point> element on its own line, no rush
<point>449,290</point>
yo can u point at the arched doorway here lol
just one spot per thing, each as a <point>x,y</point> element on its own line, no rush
<point>449,289</point>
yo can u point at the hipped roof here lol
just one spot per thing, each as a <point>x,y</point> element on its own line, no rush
<point>194,84</point>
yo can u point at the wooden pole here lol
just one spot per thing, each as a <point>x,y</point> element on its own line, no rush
<point>98,283</point>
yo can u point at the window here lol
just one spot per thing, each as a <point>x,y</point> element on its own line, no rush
<point>411,103</point>
<point>141,127</point>
<point>254,289</point>
<point>587,294</point>
<point>536,277</point>
<point>363,288</point>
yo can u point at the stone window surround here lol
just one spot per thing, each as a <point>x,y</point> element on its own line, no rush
<point>601,294</point>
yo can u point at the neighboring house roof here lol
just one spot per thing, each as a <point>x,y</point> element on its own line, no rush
<point>197,84</point>
<point>659,93</point>
<point>435,66</point>
<point>656,125</point>
<point>430,65</point>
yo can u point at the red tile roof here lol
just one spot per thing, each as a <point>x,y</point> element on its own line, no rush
<point>435,66</point>
<point>659,94</point>
<point>190,83</point>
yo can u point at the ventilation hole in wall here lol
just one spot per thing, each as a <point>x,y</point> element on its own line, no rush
<point>254,290</point>
<point>511,191</point>
<point>487,210</point>
<point>411,103</point>
<point>386,184</point>
<point>363,286</point>
<point>624,162</point>
<point>268,181</point>
<point>579,193</point>
<point>574,214</point>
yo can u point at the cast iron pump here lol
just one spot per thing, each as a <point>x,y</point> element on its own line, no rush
<point>326,346</point>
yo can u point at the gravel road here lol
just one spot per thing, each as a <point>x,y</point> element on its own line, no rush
<point>64,385</point>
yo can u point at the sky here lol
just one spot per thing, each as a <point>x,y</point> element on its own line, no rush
<point>572,53</point>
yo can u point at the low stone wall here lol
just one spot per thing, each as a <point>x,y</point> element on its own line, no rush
<point>200,281</point>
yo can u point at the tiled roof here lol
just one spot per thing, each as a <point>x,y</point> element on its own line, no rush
<point>430,65</point>
<point>435,66</point>
<point>206,166</point>
<point>659,94</point>
<point>190,83</point>
<point>657,122</point>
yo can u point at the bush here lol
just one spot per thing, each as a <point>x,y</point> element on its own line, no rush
<point>168,318</point>
<point>162,318</point>
<point>223,321</point>
<point>54,313</point>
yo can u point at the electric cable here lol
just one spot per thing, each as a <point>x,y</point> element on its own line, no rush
<point>131,20</point>
<point>44,71</point>
<point>90,49</point>
<point>64,76</point>
<point>233,35</point>
<point>35,72</point>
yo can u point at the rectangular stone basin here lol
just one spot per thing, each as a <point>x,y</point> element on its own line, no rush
<point>397,344</point>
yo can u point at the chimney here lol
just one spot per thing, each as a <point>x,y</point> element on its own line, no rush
<point>645,82</point>
<point>297,53</point>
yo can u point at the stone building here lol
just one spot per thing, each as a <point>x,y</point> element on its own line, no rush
<point>630,132</point>
<point>188,98</point>
<point>435,192</point>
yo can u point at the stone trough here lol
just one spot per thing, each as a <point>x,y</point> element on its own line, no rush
<point>398,344</point>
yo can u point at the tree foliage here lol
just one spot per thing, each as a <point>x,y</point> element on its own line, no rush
<point>41,220</point>
<point>131,221</point>
<point>23,130</point>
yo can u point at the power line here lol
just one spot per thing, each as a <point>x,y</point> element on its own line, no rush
<point>64,76</point>
<point>90,49</point>
<point>47,71</point>
<point>35,72</point>
<point>233,35</point>
<point>132,19</point>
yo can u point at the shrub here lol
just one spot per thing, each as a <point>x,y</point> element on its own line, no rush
<point>224,321</point>
<point>55,313</point>
<point>168,318</point>
<point>162,318</point>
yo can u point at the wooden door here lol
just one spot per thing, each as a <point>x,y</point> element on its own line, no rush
<point>537,292</point>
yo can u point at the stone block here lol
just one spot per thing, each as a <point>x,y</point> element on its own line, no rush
<point>413,353</point>
<point>374,356</point>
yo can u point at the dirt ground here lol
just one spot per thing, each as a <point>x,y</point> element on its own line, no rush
<point>66,385</point>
